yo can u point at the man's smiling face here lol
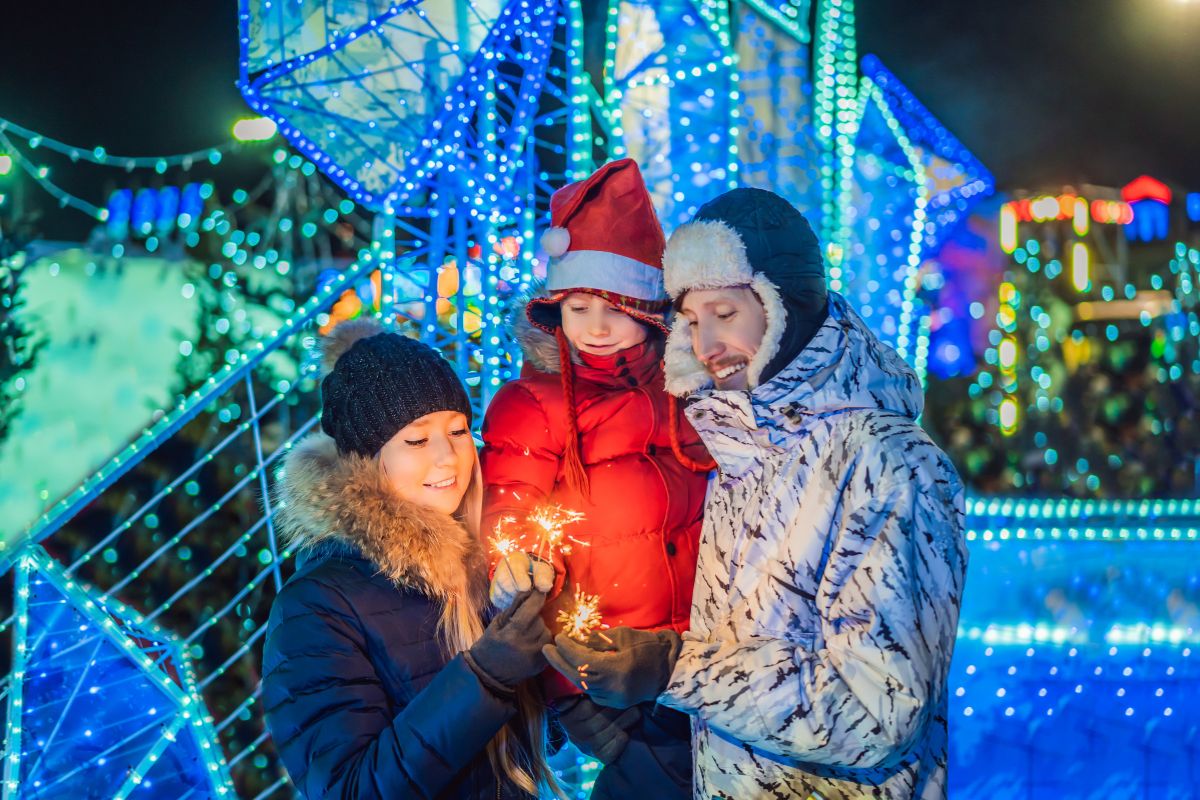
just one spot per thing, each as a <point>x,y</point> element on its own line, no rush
<point>727,327</point>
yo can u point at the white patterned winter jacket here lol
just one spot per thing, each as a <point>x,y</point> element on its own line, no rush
<point>830,574</point>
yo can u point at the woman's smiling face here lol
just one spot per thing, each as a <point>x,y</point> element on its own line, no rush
<point>431,460</point>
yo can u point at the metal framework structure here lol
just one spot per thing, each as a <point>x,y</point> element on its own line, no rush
<point>453,122</point>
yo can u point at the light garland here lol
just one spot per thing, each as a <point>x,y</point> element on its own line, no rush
<point>835,82</point>
<point>100,155</point>
<point>654,55</point>
<point>964,178</point>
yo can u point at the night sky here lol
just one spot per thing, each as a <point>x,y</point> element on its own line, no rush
<point>1045,92</point>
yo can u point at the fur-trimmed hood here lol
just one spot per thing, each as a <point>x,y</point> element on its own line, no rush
<point>325,497</point>
<point>540,348</point>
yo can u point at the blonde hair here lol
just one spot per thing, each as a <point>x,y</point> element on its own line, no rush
<point>460,627</point>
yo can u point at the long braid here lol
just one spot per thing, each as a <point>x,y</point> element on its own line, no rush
<point>676,447</point>
<point>577,478</point>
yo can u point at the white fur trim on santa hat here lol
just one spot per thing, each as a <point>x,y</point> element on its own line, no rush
<point>555,241</point>
<point>610,272</point>
<point>684,374</point>
<point>707,254</point>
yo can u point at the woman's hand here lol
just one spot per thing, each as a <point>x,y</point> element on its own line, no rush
<point>510,649</point>
<point>517,573</point>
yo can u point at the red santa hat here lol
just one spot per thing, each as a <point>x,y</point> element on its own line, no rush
<point>605,240</point>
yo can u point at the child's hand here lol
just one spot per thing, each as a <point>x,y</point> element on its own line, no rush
<point>518,573</point>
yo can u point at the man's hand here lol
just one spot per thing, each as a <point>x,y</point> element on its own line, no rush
<point>620,667</point>
<point>518,573</point>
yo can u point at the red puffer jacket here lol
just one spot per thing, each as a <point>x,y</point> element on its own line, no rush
<point>642,520</point>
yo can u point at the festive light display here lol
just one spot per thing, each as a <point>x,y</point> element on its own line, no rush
<point>1092,356</point>
<point>955,178</point>
<point>1074,668</point>
<point>835,80</point>
<point>777,141</point>
<point>1067,206</point>
<point>883,228</point>
<point>398,102</point>
<point>707,95</point>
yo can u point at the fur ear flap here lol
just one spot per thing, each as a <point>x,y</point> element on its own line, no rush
<point>768,294</point>
<point>682,371</point>
<point>343,337</point>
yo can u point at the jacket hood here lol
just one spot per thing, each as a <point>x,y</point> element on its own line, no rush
<point>844,367</point>
<point>540,348</point>
<point>326,498</point>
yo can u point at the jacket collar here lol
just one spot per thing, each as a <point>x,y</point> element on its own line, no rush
<point>339,506</point>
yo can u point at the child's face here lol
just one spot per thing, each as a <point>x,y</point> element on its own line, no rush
<point>597,327</point>
<point>430,462</point>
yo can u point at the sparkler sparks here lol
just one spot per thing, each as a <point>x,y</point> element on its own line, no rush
<point>583,618</point>
<point>551,520</point>
<point>501,541</point>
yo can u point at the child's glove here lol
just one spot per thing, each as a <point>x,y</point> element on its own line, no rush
<point>517,572</point>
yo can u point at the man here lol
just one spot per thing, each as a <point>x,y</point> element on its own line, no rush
<point>832,557</point>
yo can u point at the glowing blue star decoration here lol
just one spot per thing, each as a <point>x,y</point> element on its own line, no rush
<point>956,179</point>
<point>101,704</point>
<point>388,98</point>
<point>910,183</point>
<point>883,223</point>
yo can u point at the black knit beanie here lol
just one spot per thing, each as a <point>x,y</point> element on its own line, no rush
<point>377,382</point>
<point>781,245</point>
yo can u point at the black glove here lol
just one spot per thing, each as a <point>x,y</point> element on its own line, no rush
<point>599,732</point>
<point>510,649</point>
<point>620,667</point>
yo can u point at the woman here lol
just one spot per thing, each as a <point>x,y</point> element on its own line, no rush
<point>379,676</point>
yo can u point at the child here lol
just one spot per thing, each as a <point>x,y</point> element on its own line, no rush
<point>379,675</point>
<point>589,427</point>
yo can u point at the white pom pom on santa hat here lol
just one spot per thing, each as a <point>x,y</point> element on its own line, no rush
<point>555,241</point>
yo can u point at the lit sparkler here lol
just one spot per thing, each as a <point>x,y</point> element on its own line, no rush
<point>583,618</point>
<point>551,520</point>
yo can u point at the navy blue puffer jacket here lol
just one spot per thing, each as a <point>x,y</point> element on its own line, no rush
<point>360,698</point>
